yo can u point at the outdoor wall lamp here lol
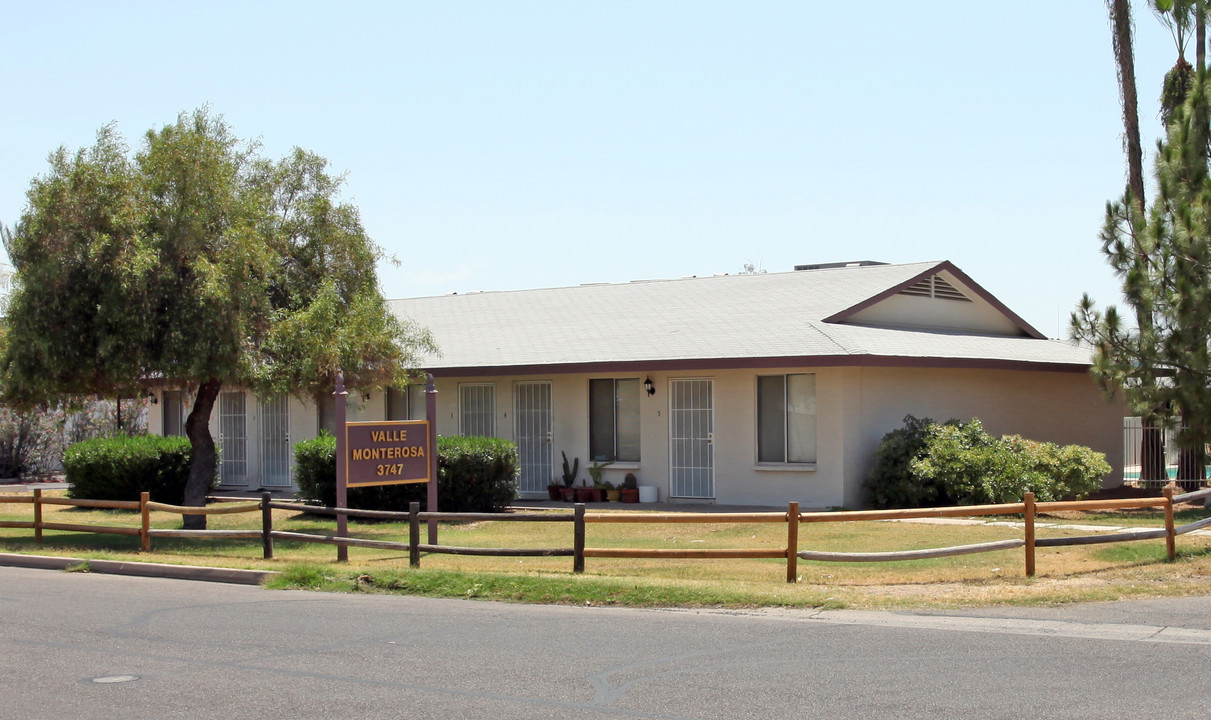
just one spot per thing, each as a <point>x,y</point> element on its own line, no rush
<point>647,385</point>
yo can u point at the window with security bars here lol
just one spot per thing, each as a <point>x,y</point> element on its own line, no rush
<point>477,409</point>
<point>786,418</point>
<point>614,420</point>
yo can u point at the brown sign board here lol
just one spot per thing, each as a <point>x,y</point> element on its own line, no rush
<point>387,453</point>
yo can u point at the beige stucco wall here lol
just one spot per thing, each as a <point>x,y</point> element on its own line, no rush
<point>1065,408</point>
<point>855,408</point>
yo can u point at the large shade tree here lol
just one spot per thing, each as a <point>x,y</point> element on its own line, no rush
<point>196,262</point>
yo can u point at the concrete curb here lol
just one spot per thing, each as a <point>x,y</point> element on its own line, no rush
<point>160,570</point>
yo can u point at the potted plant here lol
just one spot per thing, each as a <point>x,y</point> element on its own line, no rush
<point>630,489</point>
<point>612,492</point>
<point>569,476</point>
<point>599,487</point>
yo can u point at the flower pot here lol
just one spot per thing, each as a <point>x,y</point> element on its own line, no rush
<point>584,494</point>
<point>553,492</point>
<point>630,496</point>
<point>613,495</point>
<point>599,494</point>
<point>567,494</point>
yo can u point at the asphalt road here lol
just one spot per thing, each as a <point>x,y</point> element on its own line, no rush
<point>179,649</point>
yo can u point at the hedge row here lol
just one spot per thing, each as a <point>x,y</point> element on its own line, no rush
<point>119,468</point>
<point>474,474</point>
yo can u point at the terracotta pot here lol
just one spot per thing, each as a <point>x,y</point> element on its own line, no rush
<point>584,494</point>
<point>567,494</point>
<point>553,492</point>
<point>630,496</point>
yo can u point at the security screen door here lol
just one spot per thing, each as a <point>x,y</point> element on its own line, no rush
<point>691,434</point>
<point>275,442</point>
<point>532,432</point>
<point>233,439</point>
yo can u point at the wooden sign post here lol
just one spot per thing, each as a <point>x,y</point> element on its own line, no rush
<point>392,452</point>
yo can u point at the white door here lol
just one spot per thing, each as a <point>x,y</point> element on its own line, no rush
<point>275,442</point>
<point>691,434</point>
<point>532,432</point>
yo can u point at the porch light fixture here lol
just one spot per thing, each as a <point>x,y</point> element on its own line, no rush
<point>647,385</point>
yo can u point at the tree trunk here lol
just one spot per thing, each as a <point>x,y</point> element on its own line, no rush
<point>202,467</point>
<point>1124,56</point>
<point>1200,36</point>
<point>1152,454</point>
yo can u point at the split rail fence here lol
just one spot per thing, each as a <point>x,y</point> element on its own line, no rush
<point>792,518</point>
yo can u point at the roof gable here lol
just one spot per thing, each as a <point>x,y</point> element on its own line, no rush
<point>939,298</point>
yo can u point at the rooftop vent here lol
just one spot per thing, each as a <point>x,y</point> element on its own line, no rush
<point>935,287</point>
<point>827,266</point>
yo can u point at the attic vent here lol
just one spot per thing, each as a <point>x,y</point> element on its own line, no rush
<point>935,287</point>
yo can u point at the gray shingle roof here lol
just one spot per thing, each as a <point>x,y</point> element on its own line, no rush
<point>767,317</point>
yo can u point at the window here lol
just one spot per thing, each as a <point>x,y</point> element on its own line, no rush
<point>174,412</point>
<point>406,404</point>
<point>477,410</point>
<point>786,418</point>
<point>325,411</point>
<point>614,420</point>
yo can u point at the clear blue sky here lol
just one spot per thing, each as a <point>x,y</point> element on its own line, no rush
<point>506,145</point>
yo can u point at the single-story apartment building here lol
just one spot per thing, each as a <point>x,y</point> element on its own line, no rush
<point>751,389</point>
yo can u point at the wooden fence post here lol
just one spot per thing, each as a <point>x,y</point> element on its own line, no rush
<point>1028,499</point>
<point>38,515</point>
<point>266,525</point>
<point>792,542</point>
<point>414,534</point>
<point>1170,533</point>
<point>578,540</point>
<point>145,515</point>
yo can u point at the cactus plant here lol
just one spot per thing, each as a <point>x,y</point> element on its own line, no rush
<point>569,473</point>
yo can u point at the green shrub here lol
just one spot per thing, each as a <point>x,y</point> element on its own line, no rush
<point>119,468</point>
<point>926,464</point>
<point>315,468</point>
<point>474,474</point>
<point>892,482</point>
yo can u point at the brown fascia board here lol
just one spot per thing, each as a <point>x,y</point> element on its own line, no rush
<point>1024,326</point>
<point>683,365</point>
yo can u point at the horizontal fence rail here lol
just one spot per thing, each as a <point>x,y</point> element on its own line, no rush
<point>1028,509</point>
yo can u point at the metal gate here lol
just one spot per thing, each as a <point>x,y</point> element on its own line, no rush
<point>691,435</point>
<point>532,432</point>
<point>233,439</point>
<point>275,442</point>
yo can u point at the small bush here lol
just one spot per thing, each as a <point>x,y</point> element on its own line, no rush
<point>927,464</point>
<point>474,474</point>
<point>120,468</point>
